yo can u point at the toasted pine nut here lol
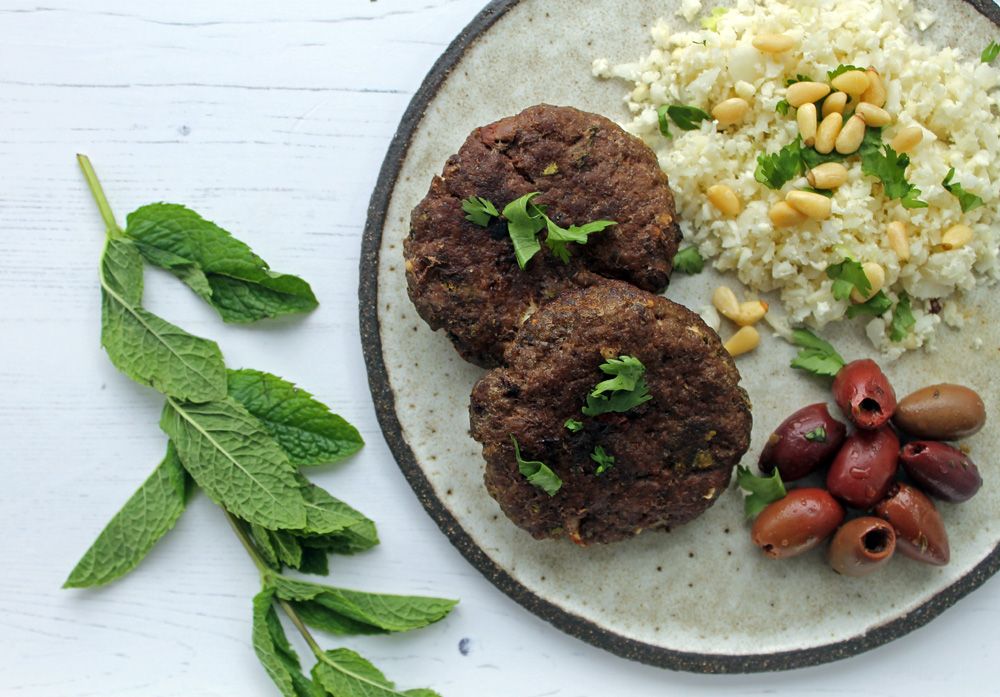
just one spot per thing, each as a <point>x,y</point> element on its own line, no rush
<point>725,200</point>
<point>899,239</point>
<point>907,139</point>
<point>875,94</point>
<point>816,206</point>
<point>730,111</point>
<point>826,134</point>
<point>850,137</point>
<point>804,92</point>
<point>783,215</point>
<point>828,175</point>
<point>854,82</point>
<point>724,300</point>
<point>751,312</point>
<point>873,115</point>
<point>836,102</point>
<point>805,115</point>
<point>743,341</point>
<point>773,43</point>
<point>956,236</point>
<point>876,277</point>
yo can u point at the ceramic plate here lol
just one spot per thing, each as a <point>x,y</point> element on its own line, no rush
<point>700,598</point>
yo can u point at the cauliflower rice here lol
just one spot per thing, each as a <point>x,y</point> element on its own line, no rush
<point>949,94</point>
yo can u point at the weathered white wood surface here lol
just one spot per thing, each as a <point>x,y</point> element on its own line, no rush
<point>271,119</point>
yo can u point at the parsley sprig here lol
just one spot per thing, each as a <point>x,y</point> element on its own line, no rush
<point>847,276</point>
<point>890,167</point>
<point>762,490</point>
<point>903,320</point>
<point>689,261</point>
<point>966,200</point>
<point>686,117</point>
<point>815,355</point>
<point>627,389</point>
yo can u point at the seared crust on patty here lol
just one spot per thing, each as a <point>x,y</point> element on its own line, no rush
<point>464,278</point>
<point>673,454</point>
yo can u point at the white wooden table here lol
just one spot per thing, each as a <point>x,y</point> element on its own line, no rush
<point>271,119</point>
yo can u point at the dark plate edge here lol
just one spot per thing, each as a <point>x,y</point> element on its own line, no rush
<point>385,409</point>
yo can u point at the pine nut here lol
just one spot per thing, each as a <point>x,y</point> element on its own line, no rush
<point>805,115</point>
<point>850,137</point>
<point>724,300</point>
<point>730,111</point>
<point>804,92</point>
<point>854,82</point>
<point>836,102</point>
<point>956,236</point>
<point>826,134</point>
<point>743,341</point>
<point>783,215</point>
<point>773,43</point>
<point>907,139</point>
<point>875,94</point>
<point>876,277</point>
<point>751,312</point>
<point>816,206</point>
<point>725,200</point>
<point>899,239</point>
<point>828,175</point>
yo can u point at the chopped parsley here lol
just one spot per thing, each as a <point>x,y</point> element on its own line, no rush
<point>762,490</point>
<point>782,107</point>
<point>876,306</point>
<point>841,69</point>
<point>890,167</point>
<point>686,117</point>
<point>625,390</point>
<point>712,21</point>
<point>480,210</point>
<point>603,460</point>
<point>799,77</point>
<point>524,221</point>
<point>573,425</point>
<point>817,435</point>
<point>821,192</point>
<point>848,275</point>
<point>776,169</point>
<point>902,319</point>
<point>815,355</point>
<point>536,472</point>
<point>966,200</point>
<point>813,158</point>
<point>990,53</point>
<point>689,261</point>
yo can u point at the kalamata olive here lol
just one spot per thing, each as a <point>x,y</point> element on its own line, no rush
<point>941,412</point>
<point>920,532</point>
<point>863,392</point>
<point>796,523</point>
<point>861,546</point>
<point>941,470</point>
<point>804,442</point>
<point>863,470</point>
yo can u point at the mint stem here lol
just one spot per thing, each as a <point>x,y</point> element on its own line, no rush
<point>266,573</point>
<point>98,192</point>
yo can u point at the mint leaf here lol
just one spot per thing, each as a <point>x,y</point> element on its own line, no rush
<point>687,118</point>
<point>603,460</point>
<point>848,275</point>
<point>776,169</point>
<point>344,673</point>
<point>903,320</point>
<point>966,200</point>
<point>304,428</point>
<point>479,210</point>
<point>876,306</point>
<point>689,261</point>
<point>816,356</point>
<point>236,462</point>
<point>275,653</point>
<point>890,168</point>
<point>241,286</point>
<point>327,515</point>
<point>990,53</point>
<point>537,472</point>
<point>762,490</point>
<point>573,425</point>
<point>840,69</point>
<point>145,347</point>
<point>524,221</point>
<point>146,517</point>
<point>628,388</point>
<point>278,547</point>
<point>557,238</point>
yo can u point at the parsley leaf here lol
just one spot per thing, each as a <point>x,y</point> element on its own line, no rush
<point>573,425</point>
<point>990,53</point>
<point>687,118</point>
<point>902,319</point>
<point>841,69</point>
<point>817,435</point>
<point>603,460</point>
<point>876,306</point>
<point>799,77</point>
<point>557,238</point>
<point>966,200</point>
<point>782,107</point>
<point>480,210</point>
<point>811,158</point>
<point>816,356</point>
<point>661,117</point>
<point>890,167</point>
<point>524,221</point>
<point>689,261</point>
<point>848,275</point>
<point>536,472</point>
<point>762,490</point>
<point>776,169</point>
<point>628,388</point>
<point>712,21</point>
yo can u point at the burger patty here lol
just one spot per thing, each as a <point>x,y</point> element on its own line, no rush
<point>464,278</point>
<point>673,455</point>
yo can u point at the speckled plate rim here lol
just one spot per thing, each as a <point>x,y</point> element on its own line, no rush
<point>385,409</point>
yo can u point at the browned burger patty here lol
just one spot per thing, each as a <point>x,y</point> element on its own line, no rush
<point>673,454</point>
<point>464,278</point>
